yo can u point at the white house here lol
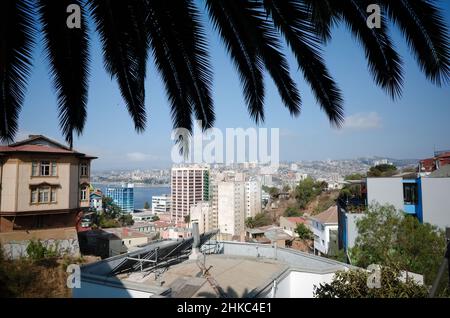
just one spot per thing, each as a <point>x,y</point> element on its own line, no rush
<point>324,226</point>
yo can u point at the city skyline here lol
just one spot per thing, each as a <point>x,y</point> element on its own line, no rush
<point>411,127</point>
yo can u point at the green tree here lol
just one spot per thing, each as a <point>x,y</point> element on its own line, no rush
<point>292,211</point>
<point>307,190</point>
<point>260,219</point>
<point>155,218</point>
<point>187,218</point>
<point>252,31</point>
<point>304,233</point>
<point>126,219</point>
<point>110,209</point>
<point>353,284</point>
<point>383,170</point>
<point>354,176</point>
<point>387,237</point>
<point>146,205</point>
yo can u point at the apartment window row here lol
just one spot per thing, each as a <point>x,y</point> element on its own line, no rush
<point>44,194</point>
<point>44,168</point>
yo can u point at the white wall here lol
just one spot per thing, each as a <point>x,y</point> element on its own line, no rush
<point>436,201</point>
<point>385,191</point>
<point>301,284</point>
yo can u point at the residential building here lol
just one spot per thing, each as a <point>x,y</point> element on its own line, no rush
<point>200,213</point>
<point>440,159</point>
<point>424,197</point>
<point>112,241</point>
<point>142,216</point>
<point>96,202</point>
<point>270,234</point>
<point>289,224</point>
<point>252,198</point>
<point>161,204</point>
<point>231,208</point>
<point>43,184</point>
<point>325,226</point>
<point>122,196</point>
<point>189,185</point>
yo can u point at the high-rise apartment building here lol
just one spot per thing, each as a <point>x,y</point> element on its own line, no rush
<point>189,185</point>
<point>231,208</point>
<point>122,196</point>
<point>252,198</point>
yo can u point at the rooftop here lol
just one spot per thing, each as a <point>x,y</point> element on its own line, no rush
<point>41,144</point>
<point>226,269</point>
<point>329,216</point>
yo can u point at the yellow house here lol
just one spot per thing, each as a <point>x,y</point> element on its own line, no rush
<point>43,184</point>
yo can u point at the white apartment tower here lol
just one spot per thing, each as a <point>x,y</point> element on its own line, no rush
<point>231,208</point>
<point>252,198</point>
<point>189,185</point>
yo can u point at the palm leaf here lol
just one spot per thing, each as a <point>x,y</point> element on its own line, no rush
<point>67,52</point>
<point>426,33</point>
<point>243,51</point>
<point>16,43</point>
<point>291,18</point>
<point>120,25</point>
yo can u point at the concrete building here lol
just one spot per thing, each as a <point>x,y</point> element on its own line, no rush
<point>161,204</point>
<point>325,226</point>
<point>234,269</point>
<point>189,185</point>
<point>43,184</point>
<point>201,214</point>
<point>231,209</point>
<point>252,198</point>
<point>426,198</point>
<point>123,196</point>
<point>289,224</point>
<point>112,241</point>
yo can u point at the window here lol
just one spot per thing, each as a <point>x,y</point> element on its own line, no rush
<point>53,195</point>
<point>410,193</point>
<point>34,168</point>
<point>45,168</point>
<point>44,195</point>
<point>53,168</point>
<point>84,169</point>
<point>34,196</point>
<point>83,194</point>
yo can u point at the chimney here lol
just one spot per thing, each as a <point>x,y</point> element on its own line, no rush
<point>195,254</point>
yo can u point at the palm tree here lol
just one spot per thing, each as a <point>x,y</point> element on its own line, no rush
<point>252,33</point>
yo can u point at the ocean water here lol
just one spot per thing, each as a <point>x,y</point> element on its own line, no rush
<point>141,194</point>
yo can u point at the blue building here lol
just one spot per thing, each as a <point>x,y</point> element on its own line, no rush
<point>123,196</point>
<point>427,198</point>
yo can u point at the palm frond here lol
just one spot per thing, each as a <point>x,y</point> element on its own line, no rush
<point>180,38</point>
<point>125,49</point>
<point>322,16</point>
<point>426,33</point>
<point>291,18</point>
<point>16,44</point>
<point>240,44</point>
<point>67,52</point>
<point>384,62</point>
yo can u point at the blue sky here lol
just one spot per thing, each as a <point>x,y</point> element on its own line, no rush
<point>410,127</point>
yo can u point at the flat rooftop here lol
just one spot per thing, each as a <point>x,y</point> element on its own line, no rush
<point>235,276</point>
<point>227,269</point>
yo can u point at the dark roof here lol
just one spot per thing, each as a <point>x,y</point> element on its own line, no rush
<point>41,144</point>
